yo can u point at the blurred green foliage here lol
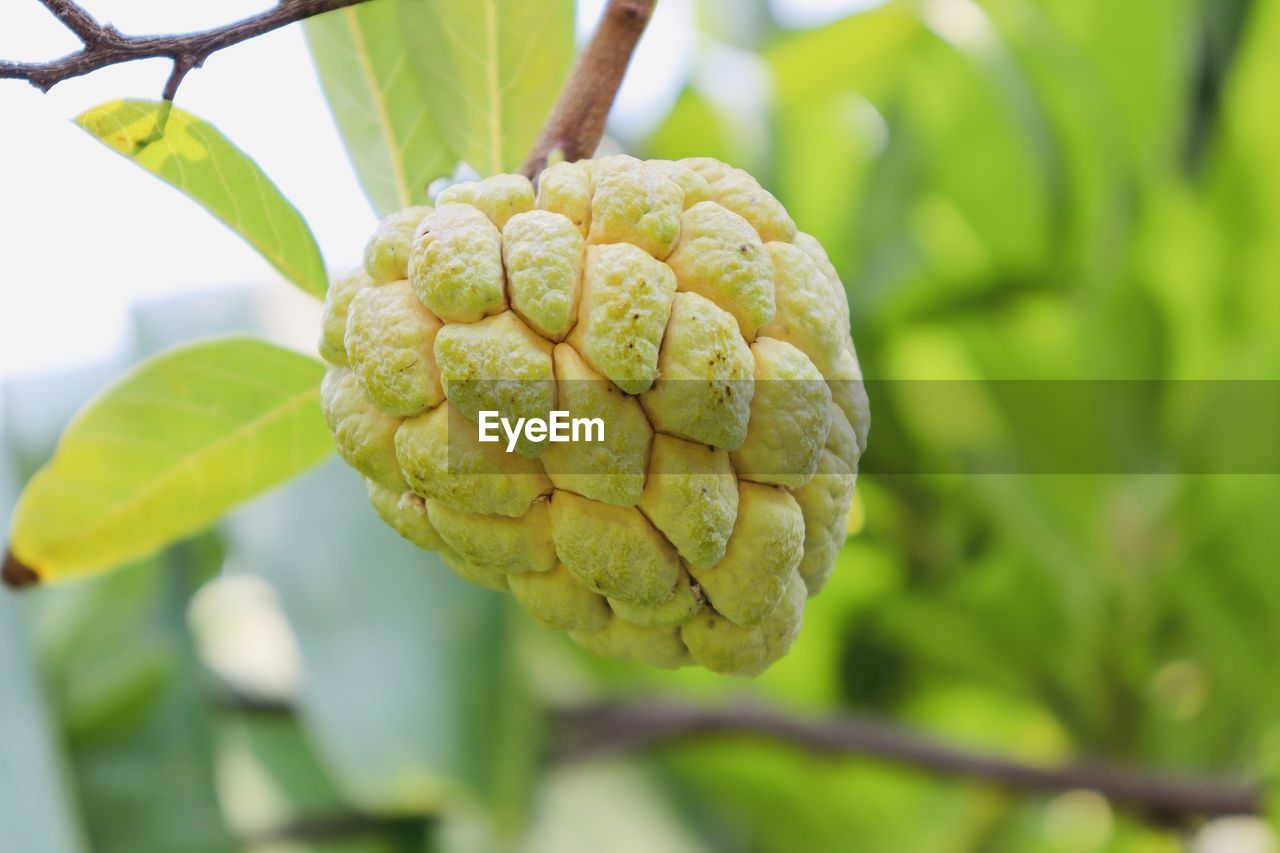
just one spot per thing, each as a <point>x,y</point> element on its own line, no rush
<point>1010,189</point>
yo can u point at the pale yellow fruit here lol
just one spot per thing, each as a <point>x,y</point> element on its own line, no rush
<point>740,192</point>
<point>720,257</point>
<point>809,244</point>
<point>704,393</point>
<point>634,203</point>
<point>543,256</point>
<point>386,255</point>
<point>695,186</point>
<point>681,606</point>
<point>507,544</point>
<point>665,317</point>
<point>365,437</point>
<point>500,365</point>
<point>691,496</point>
<point>390,345</point>
<point>455,264</point>
<point>613,549</point>
<point>660,647</point>
<point>790,417</point>
<point>565,188</point>
<point>499,198</point>
<point>406,514</point>
<point>825,503</point>
<point>612,470</point>
<point>850,394</point>
<point>807,303</point>
<point>442,458</point>
<point>763,553</point>
<point>481,575</point>
<point>333,322</point>
<point>558,600</point>
<point>626,300</point>
<point>722,646</point>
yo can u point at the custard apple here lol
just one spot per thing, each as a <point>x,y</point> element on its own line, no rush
<point>676,304</point>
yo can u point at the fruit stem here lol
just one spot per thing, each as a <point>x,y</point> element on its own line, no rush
<point>577,121</point>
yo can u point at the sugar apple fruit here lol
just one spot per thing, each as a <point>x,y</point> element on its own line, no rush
<point>676,303</point>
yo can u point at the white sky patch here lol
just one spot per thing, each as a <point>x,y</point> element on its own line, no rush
<point>961,22</point>
<point>85,234</point>
<point>737,82</point>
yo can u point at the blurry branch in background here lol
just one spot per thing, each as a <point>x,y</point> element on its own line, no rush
<point>104,45</point>
<point>577,122</point>
<point>607,728</point>
<point>326,827</point>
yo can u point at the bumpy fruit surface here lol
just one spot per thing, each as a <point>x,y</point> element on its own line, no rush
<point>676,302</point>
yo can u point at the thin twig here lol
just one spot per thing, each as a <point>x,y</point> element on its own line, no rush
<point>609,728</point>
<point>577,122</point>
<point>75,19</point>
<point>605,728</point>
<point>104,45</point>
<point>242,704</point>
<point>329,827</point>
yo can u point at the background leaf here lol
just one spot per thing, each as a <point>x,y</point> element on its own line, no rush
<point>493,69</point>
<point>378,97</point>
<point>411,690</point>
<point>135,703</point>
<point>196,158</point>
<point>168,449</point>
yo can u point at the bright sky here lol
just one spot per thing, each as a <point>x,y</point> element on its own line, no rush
<point>84,234</point>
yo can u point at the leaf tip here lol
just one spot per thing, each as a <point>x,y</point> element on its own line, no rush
<point>17,574</point>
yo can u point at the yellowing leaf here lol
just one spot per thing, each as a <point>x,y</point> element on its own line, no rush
<point>168,449</point>
<point>493,69</point>
<point>195,157</point>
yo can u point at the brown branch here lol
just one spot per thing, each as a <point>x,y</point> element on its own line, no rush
<point>606,728</point>
<point>75,19</point>
<point>577,121</point>
<point>17,574</point>
<point>592,730</point>
<point>104,45</point>
<point>328,827</point>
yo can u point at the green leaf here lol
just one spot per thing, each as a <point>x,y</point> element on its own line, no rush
<point>694,128</point>
<point>493,69</point>
<point>865,52</point>
<point>379,100</point>
<point>195,157</point>
<point>129,803</point>
<point>164,452</point>
<point>412,693</point>
<point>1140,58</point>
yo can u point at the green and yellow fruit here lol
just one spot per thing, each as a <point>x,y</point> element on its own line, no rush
<point>676,303</point>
